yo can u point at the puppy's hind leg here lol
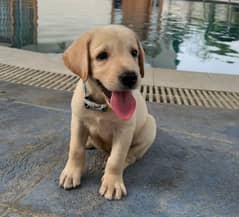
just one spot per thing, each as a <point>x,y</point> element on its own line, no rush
<point>143,141</point>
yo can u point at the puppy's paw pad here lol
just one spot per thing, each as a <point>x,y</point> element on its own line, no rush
<point>112,187</point>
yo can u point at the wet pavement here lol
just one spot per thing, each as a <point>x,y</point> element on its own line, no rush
<point>191,170</point>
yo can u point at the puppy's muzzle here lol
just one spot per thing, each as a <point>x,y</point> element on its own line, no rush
<point>128,79</point>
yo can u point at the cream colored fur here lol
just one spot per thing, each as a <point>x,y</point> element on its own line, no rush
<point>125,141</point>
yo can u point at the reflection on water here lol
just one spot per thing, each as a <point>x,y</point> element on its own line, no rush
<point>182,35</point>
<point>18,22</point>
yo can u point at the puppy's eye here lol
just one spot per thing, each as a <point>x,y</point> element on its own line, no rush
<point>134,52</point>
<point>102,56</point>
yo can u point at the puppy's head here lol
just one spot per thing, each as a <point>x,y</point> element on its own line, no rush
<point>111,55</point>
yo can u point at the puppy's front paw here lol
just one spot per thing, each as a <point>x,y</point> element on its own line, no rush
<point>112,187</point>
<point>70,176</point>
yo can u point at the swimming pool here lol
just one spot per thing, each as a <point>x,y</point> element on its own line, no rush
<point>183,35</point>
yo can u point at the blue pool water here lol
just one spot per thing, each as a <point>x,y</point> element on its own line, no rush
<point>183,35</point>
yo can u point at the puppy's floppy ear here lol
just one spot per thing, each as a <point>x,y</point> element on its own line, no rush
<point>77,56</point>
<point>141,58</point>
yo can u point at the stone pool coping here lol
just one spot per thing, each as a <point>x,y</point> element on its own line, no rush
<point>153,76</point>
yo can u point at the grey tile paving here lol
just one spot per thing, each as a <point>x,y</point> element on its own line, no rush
<point>191,170</point>
<point>1,210</point>
<point>213,124</point>
<point>13,214</point>
<point>37,96</point>
<point>32,141</point>
<point>180,176</point>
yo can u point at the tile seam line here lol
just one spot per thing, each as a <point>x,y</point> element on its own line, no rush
<point>35,105</point>
<point>194,135</point>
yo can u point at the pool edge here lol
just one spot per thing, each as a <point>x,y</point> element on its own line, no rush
<point>153,76</point>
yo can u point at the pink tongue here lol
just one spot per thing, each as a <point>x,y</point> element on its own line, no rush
<point>123,104</point>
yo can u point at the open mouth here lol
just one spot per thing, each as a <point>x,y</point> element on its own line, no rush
<point>106,92</point>
<point>122,103</point>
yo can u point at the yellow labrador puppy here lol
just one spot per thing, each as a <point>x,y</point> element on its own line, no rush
<point>107,108</point>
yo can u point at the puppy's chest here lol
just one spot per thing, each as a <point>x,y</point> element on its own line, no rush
<point>100,129</point>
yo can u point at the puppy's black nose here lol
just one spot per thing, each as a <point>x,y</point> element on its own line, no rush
<point>128,79</point>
